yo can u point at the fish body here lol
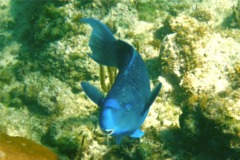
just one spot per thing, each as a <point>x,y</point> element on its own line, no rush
<point>126,105</point>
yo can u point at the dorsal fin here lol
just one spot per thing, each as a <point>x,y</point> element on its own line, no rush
<point>125,54</point>
<point>152,97</point>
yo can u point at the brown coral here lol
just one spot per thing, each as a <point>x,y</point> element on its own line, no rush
<point>19,148</point>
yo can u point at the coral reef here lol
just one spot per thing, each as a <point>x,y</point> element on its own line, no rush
<point>205,65</point>
<point>178,57</point>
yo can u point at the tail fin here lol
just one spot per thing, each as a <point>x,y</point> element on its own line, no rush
<point>101,43</point>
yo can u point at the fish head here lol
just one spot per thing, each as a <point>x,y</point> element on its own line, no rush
<point>115,119</point>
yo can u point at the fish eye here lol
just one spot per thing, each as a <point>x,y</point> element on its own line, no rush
<point>112,103</point>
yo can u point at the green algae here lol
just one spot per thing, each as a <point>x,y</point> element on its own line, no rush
<point>201,14</point>
<point>233,20</point>
<point>147,10</point>
<point>151,10</point>
<point>235,23</point>
<point>164,30</point>
<point>43,23</point>
<point>177,7</point>
<point>6,75</point>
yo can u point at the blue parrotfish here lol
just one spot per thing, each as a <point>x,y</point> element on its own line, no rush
<point>125,107</point>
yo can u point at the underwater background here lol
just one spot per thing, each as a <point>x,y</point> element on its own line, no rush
<point>191,46</point>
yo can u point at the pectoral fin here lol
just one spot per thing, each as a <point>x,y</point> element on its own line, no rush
<point>93,93</point>
<point>152,97</point>
<point>137,134</point>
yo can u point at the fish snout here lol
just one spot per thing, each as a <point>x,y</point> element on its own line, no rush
<point>108,131</point>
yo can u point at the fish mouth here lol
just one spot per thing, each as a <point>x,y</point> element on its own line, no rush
<point>108,131</point>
